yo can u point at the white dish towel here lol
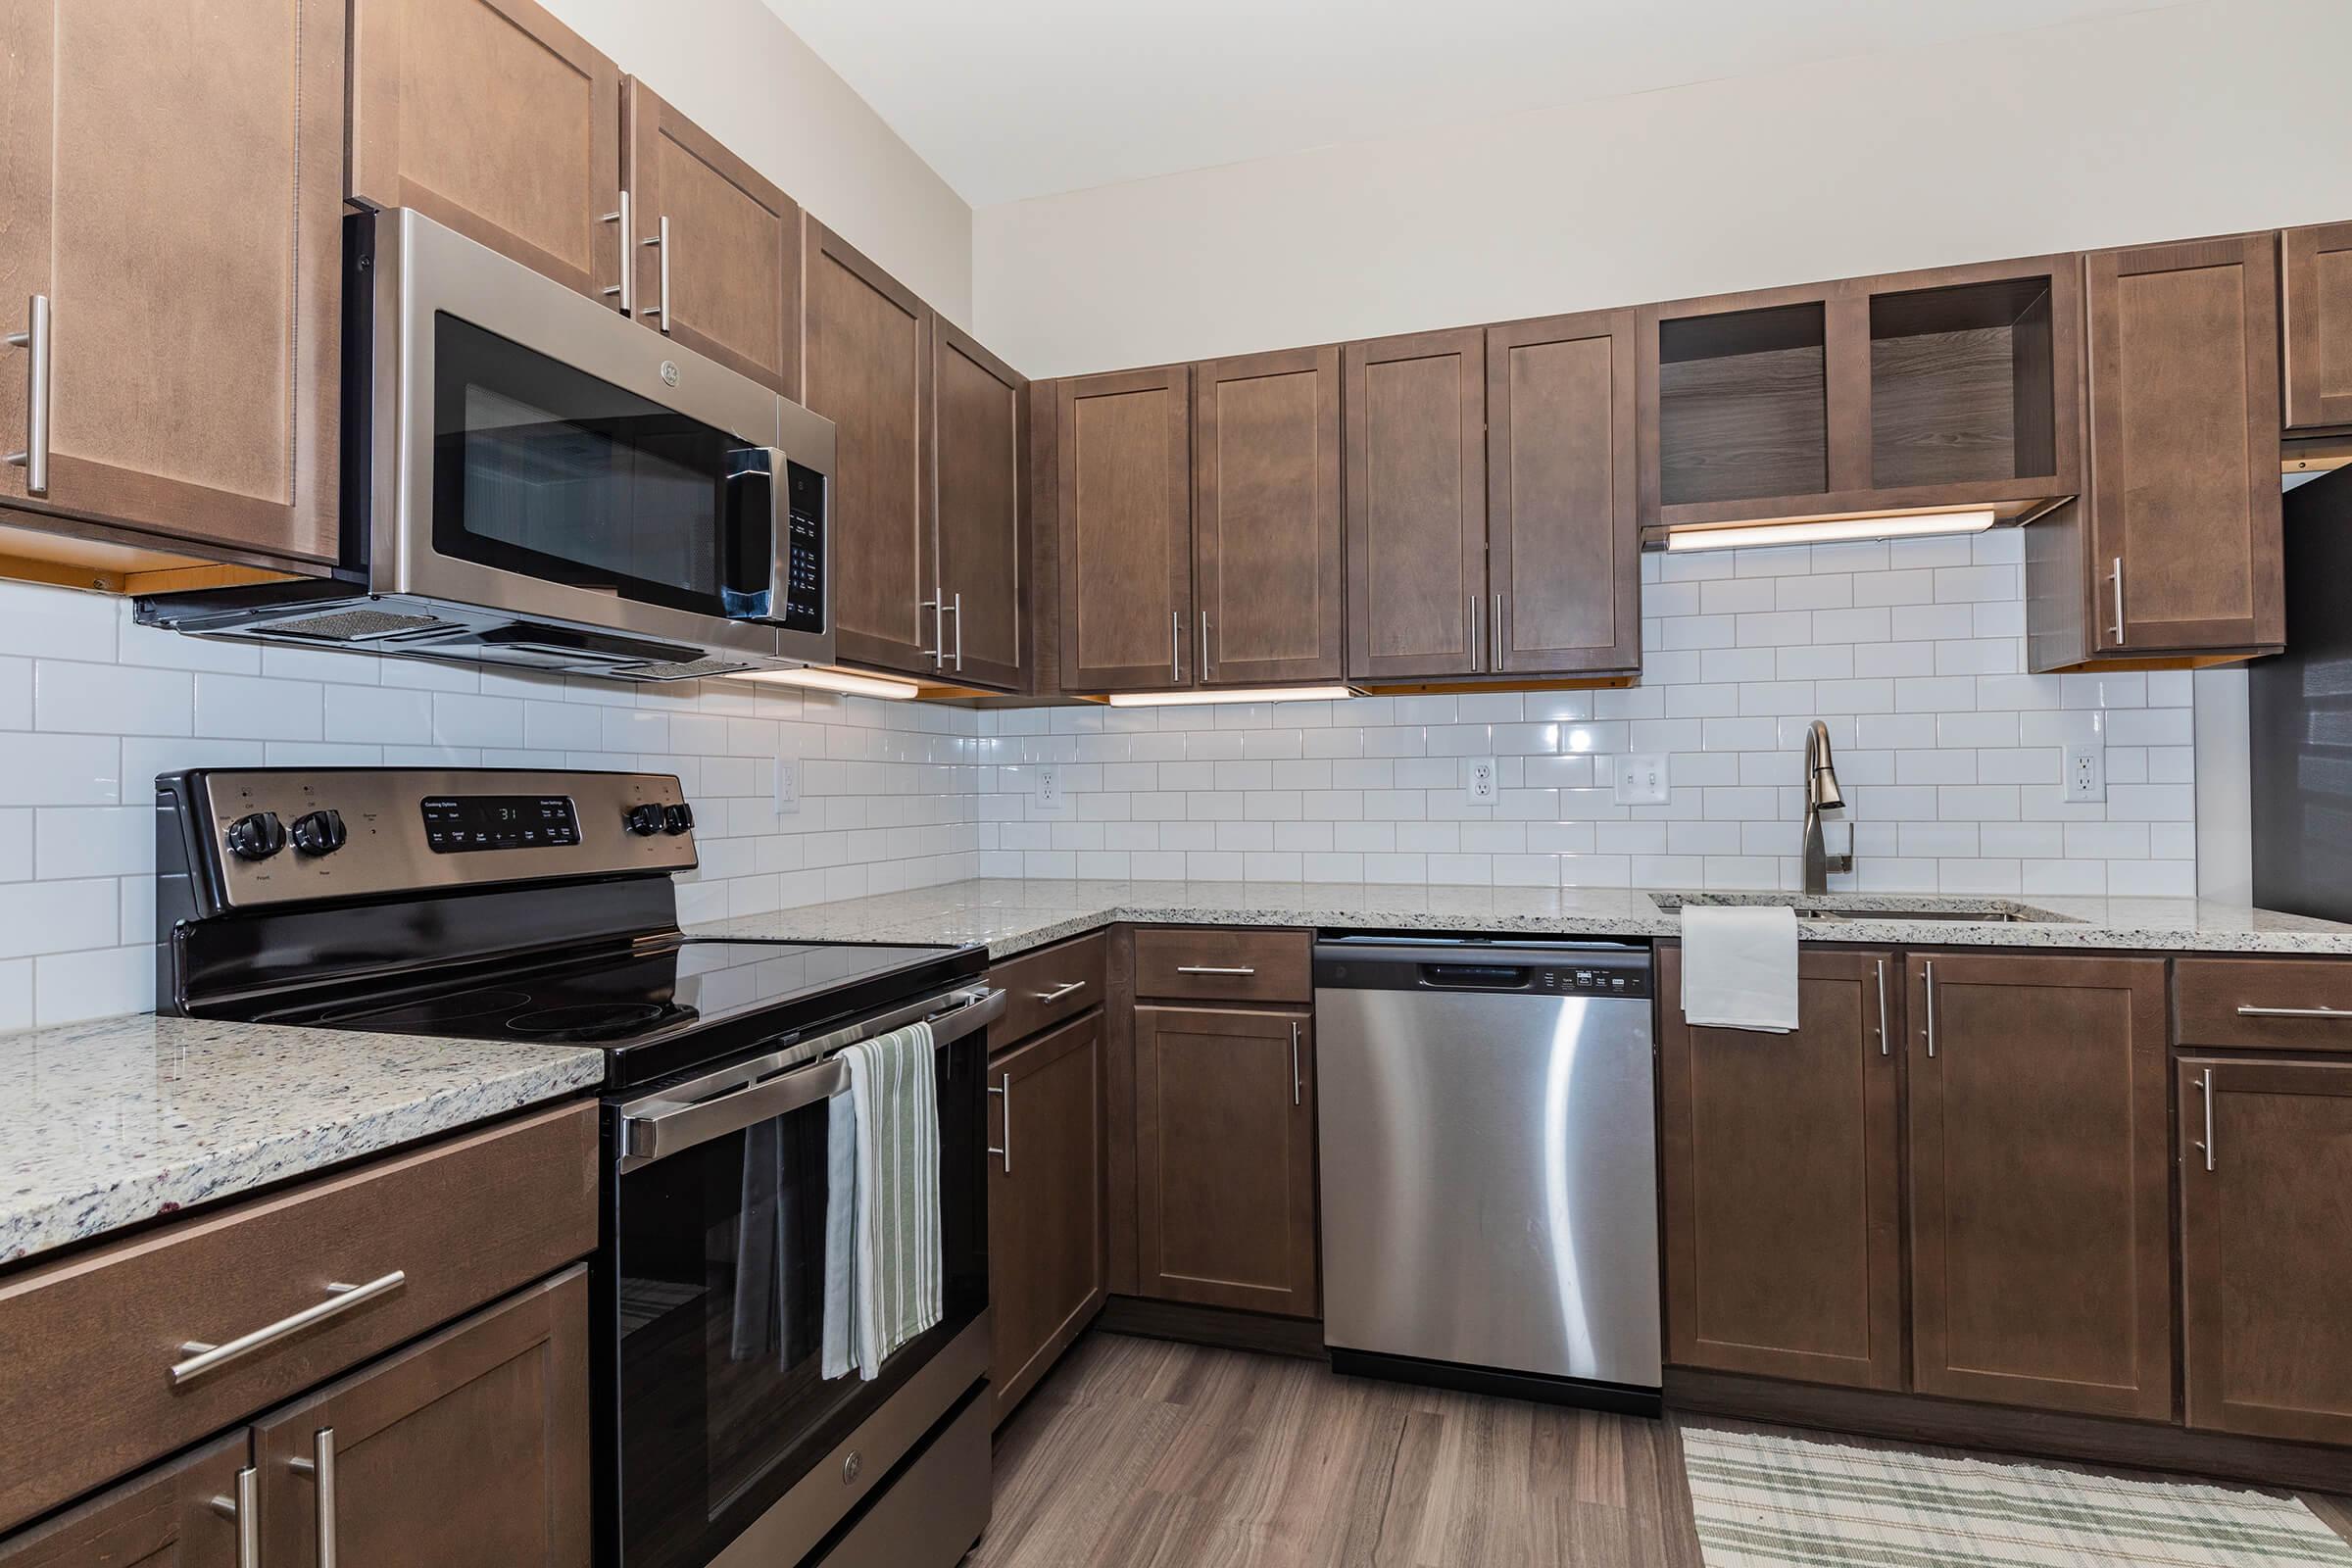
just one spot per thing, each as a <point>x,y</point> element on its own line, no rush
<point>1739,966</point>
<point>883,1264</point>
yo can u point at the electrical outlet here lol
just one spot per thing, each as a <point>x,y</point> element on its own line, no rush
<point>788,787</point>
<point>2086,771</point>
<point>1639,779</point>
<point>1478,780</point>
<point>1048,789</point>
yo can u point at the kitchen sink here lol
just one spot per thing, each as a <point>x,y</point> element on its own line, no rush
<point>1988,911</point>
<point>1960,916</point>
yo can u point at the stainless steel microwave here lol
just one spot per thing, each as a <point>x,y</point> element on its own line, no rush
<point>530,478</point>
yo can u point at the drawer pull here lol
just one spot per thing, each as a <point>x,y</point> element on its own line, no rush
<point>1065,989</point>
<point>244,1511</point>
<point>1210,968</point>
<point>341,1299</point>
<point>2294,1012</point>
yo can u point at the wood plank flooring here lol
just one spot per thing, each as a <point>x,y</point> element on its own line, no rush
<point>1142,1453</point>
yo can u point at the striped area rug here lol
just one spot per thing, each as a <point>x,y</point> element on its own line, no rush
<point>1784,1502</point>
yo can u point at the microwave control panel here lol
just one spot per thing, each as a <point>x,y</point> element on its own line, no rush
<point>804,608</point>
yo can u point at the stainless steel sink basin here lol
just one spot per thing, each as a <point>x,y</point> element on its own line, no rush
<point>1988,911</point>
<point>1961,916</point>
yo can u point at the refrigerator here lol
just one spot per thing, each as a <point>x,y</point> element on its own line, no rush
<point>2300,716</point>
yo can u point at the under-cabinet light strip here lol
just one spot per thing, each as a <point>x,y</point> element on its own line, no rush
<point>1830,530</point>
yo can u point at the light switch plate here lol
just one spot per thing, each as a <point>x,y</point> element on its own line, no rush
<point>788,787</point>
<point>1480,786</point>
<point>1639,779</point>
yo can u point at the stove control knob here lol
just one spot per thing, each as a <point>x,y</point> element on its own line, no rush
<point>678,818</point>
<point>256,837</point>
<point>320,833</point>
<point>644,818</point>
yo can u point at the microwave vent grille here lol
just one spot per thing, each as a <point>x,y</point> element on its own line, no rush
<point>687,670</point>
<point>356,626</point>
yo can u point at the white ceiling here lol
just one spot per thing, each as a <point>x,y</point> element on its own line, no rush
<point>1009,99</point>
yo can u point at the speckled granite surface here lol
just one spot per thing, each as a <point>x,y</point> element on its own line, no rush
<point>1011,916</point>
<point>108,1123</point>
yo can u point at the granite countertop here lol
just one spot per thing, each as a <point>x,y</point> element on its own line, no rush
<point>1011,916</point>
<point>108,1123</point>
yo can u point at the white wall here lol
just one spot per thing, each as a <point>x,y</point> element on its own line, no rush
<point>734,69</point>
<point>2197,119</point>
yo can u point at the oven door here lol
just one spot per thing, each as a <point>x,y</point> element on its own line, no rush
<point>716,1411</point>
<point>536,453</point>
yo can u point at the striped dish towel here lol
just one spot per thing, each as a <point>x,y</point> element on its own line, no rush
<point>882,1245</point>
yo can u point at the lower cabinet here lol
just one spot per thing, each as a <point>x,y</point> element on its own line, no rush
<point>1225,1157</point>
<point>1782,1181</point>
<point>181,1514</point>
<point>2266,1203</point>
<point>2041,1212</point>
<point>1048,1273</point>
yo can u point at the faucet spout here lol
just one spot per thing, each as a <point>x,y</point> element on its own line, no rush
<point>1822,796</point>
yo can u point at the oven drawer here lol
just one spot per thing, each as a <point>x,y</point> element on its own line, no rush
<point>2265,1003</point>
<point>1224,964</point>
<point>1045,987</point>
<point>92,1342</point>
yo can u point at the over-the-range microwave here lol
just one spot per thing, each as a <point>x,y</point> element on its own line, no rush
<point>532,478</point>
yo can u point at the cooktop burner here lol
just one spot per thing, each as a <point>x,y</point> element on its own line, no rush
<point>596,1020</point>
<point>440,1009</point>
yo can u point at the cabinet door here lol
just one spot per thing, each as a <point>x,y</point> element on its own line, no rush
<point>2184,529</point>
<point>1783,1183</point>
<point>1225,1157</point>
<point>2266,1200</point>
<point>1416,459</point>
<point>2040,1224</point>
<point>980,429</point>
<point>470,1450</point>
<point>1047,1269</point>
<point>2317,266</point>
<point>491,118</point>
<point>869,372</point>
<point>181,1514</point>
<point>174,197</point>
<point>1266,534</point>
<point>1564,551</point>
<point>724,277</point>
<point>1126,517</point>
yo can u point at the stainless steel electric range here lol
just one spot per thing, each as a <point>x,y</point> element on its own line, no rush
<point>490,905</point>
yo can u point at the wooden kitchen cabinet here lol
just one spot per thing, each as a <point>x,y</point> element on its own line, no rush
<point>2315,267</point>
<point>2039,1199</point>
<point>980,431</point>
<point>1266,525</point>
<point>470,1448</point>
<point>869,371</point>
<point>1783,1180</point>
<point>2266,1200</point>
<point>1415,452</point>
<point>181,1514</point>
<point>1564,574</point>
<point>174,198</point>
<point>716,247</point>
<point>1046,1262</point>
<point>1225,1158</point>
<point>1125,515</point>
<point>491,118</point>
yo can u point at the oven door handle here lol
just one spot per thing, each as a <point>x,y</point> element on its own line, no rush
<point>657,1129</point>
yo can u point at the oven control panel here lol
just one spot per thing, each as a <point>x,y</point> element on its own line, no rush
<point>268,836</point>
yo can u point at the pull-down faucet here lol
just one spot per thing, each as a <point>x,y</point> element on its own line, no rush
<point>1822,796</point>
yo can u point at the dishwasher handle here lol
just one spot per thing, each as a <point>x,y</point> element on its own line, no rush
<point>1476,976</point>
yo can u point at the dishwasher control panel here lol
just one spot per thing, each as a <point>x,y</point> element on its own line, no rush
<point>1584,980</point>
<point>1497,965</point>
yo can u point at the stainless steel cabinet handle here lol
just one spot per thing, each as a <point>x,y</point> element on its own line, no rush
<point>939,631</point>
<point>1298,1091</point>
<point>341,1299</point>
<point>244,1511</point>
<point>321,1468</point>
<point>1204,644</point>
<point>34,341</point>
<point>628,260</point>
<point>2294,1012</point>
<point>956,608</point>
<point>1931,968</point>
<point>659,239</point>
<point>1474,634</point>
<point>1209,968</point>
<point>1176,646</point>
<point>1496,632</point>
<point>1881,968</point>
<point>2205,1087</point>
<point>2119,601</point>
<point>1066,987</point>
<point>1004,1091</point>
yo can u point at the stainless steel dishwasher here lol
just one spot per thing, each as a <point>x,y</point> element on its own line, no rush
<point>1487,1117</point>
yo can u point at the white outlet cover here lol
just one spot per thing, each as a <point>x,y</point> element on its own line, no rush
<point>1048,789</point>
<point>2082,755</point>
<point>1482,785</point>
<point>1639,779</point>
<point>788,787</point>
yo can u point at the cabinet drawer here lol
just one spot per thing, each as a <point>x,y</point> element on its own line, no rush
<point>91,1340</point>
<point>2265,1003</point>
<point>1224,964</point>
<point>1045,987</point>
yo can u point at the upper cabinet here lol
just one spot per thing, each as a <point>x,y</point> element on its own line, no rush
<point>1124,455</point>
<point>2317,264</point>
<point>1416,465</point>
<point>1266,523</point>
<point>716,247</point>
<point>491,118</point>
<point>980,434</point>
<point>171,256</point>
